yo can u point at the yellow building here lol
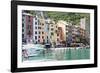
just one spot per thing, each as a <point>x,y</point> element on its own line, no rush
<point>61,32</point>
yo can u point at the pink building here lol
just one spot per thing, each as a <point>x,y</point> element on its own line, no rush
<point>27,27</point>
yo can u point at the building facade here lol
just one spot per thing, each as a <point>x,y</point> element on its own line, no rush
<point>27,27</point>
<point>40,30</point>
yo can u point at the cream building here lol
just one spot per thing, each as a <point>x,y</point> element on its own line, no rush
<point>61,33</point>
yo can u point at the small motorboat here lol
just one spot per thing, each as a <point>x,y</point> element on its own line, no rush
<point>33,50</point>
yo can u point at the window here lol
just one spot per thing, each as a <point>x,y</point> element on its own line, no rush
<point>22,30</point>
<point>36,42</point>
<point>22,35</point>
<point>38,36</point>
<point>59,28</point>
<point>52,33</point>
<point>52,29</point>
<point>66,26</point>
<point>39,32</point>
<point>66,33</point>
<point>39,27</point>
<point>42,32</point>
<point>56,26</point>
<point>29,32</point>
<point>22,19</point>
<point>22,24</point>
<point>35,18</point>
<point>35,32</point>
<point>35,23</point>
<point>51,25</point>
<point>42,37</point>
<point>55,31</point>
<point>57,34</point>
<point>35,37</point>
<point>42,24</point>
<point>57,39</point>
<point>35,27</point>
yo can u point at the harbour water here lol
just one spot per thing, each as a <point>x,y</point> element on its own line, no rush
<point>61,54</point>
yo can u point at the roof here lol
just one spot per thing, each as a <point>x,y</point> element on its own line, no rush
<point>27,14</point>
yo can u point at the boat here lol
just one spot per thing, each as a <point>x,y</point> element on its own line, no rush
<point>33,50</point>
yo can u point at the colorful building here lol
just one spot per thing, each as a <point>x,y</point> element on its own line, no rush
<point>27,27</point>
<point>38,26</point>
<point>40,30</point>
<point>61,32</point>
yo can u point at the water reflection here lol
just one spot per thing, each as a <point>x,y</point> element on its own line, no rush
<point>61,54</point>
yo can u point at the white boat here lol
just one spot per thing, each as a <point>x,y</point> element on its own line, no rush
<point>33,50</point>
